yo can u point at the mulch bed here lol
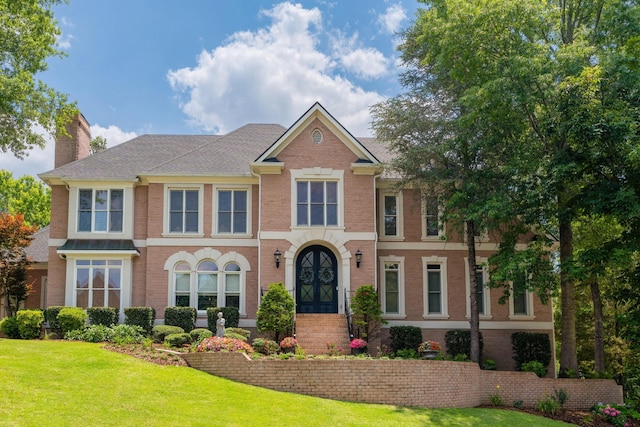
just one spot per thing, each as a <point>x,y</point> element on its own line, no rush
<point>161,356</point>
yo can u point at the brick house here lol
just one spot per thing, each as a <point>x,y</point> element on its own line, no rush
<point>205,220</point>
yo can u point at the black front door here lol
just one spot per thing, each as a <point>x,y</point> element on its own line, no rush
<point>316,281</point>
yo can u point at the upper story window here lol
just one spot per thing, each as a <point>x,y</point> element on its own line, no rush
<point>232,211</point>
<point>520,299</point>
<point>100,210</point>
<point>317,203</point>
<point>184,210</point>
<point>391,215</point>
<point>431,218</point>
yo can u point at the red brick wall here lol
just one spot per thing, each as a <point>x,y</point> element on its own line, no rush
<point>423,383</point>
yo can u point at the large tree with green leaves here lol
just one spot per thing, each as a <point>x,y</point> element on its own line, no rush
<point>28,33</point>
<point>26,196</point>
<point>559,83</point>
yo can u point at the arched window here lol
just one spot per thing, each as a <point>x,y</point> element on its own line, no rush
<point>207,285</point>
<point>182,280</point>
<point>232,285</point>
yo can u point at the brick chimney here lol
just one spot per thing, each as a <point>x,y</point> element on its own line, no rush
<point>75,145</point>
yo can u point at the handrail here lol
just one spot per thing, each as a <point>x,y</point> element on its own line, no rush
<point>349,314</point>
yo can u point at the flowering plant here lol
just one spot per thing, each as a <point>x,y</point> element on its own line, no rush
<point>358,343</point>
<point>288,342</point>
<point>224,344</point>
<point>429,345</point>
<point>612,414</point>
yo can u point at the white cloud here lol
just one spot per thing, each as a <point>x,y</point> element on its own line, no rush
<point>273,75</point>
<point>392,19</point>
<point>113,134</point>
<point>365,63</point>
<point>63,41</point>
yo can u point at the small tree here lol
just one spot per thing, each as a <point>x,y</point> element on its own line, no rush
<point>367,314</point>
<point>275,313</point>
<point>15,236</point>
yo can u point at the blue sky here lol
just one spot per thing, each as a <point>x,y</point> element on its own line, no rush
<point>208,67</point>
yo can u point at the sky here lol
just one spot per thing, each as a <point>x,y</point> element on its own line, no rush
<point>208,67</point>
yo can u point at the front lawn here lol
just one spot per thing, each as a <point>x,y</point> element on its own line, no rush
<point>75,383</point>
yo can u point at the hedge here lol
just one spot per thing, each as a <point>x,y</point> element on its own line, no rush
<point>405,337</point>
<point>530,346</point>
<point>184,317</point>
<point>29,323</point>
<point>458,341</point>
<point>105,316</point>
<point>231,317</point>
<point>140,316</point>
<point>71,319</point>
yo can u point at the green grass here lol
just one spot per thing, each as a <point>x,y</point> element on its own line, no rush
<point>55,383</point>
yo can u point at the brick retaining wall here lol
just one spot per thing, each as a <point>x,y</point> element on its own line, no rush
<point>423,383</point>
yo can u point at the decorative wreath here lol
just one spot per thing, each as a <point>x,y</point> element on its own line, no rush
<point>326,275</point>
<point>306,275</point>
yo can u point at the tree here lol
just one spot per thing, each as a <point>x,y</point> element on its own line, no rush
<point>275,313</point>
<point>97,145</point>
<point>15,236</point>
<point>367,313</point>
<point>28,33</point>
<point>26,196</point>
<point>558,83</point>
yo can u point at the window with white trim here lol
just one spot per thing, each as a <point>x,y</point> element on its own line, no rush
<point>232,285</point>
<point>98,283</point>
<point>391,221</point>
<point>435,287</point>
<point>100,210</point>
<point>484,295</point>
<point>232,211</point>
<point>520,300</point>
<point>392,286</point>
<point>432,227</point>
<point>184,210</point>
<point>207,286</point>
<point>317,203</point>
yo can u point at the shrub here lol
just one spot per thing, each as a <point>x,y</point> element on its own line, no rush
<point>184,317</point>
<point>235,336</point>
<point>51,317</point>
<point>29,323</point>
<point>217,344</point>
<point>265,346</point>
<point>489,365</point>
<point>177,340</point>
<point>275,314</point>
<point>534,366</point>
<point>93,333</point>
<point>159,332</point>
<point>367,313</point>
<point>288,343</point>
<point>71,319</point>
<point>231,317</point>
<point>140,316</point>
<point>407,353</point>
<point>106,316</point>
<point>244,332</point>
<point>528,346</point>
<point>198,334</point>
<point>405,337</point>
<point>9,327</point>
<point>127,334</point>
<point>549,405</point>
<point>458,341</point>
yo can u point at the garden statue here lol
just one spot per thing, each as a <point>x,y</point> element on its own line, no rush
<point>220,325</point>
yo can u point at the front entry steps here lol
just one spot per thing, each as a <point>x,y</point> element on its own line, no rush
<point>314,331</point>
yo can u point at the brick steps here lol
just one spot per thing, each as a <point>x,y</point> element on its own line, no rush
<point>314,331</point>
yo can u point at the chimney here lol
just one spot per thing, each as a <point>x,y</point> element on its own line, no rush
<point>75,145</point>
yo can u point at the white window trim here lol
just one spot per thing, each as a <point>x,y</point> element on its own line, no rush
<point>127,212</point>
<point>317,174</point>
<point>443,291</point>
<point>214,198</point>
<point>221,260</point>
<point>165,208</point>
<point>399,216</point>
<point>401,286</point>
<point>529,298</point>
<point>423,218</point>
<point>480,261</point>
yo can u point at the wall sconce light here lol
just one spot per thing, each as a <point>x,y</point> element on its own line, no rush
<point>276,257</point>
<point>358,258</point>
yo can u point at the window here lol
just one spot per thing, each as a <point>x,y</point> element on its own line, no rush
<point>391,223</point>
<point>232,285</point>
<point>98,283</point>
<point>431,225</point>
<point>435,287</point>
<point>232,211</point>
<point>317,203</point>
<point>100,210</point>
<point>183,211</point>
<point>521,300</point>
<point>484,296</point>
<point>392,286</point>
<point>207,285</point>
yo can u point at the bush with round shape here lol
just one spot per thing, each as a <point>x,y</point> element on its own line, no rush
<point>265,346</point>
<point>29,323</point>
<point>235,336</point>
<point>127,334</point>
<point>198,334</point>
<point>244,332</point>
<point>177,340</point>
<point>71,319</point>
<point>9,327</point>
<point>159,332</point>
<point>536,367</point>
